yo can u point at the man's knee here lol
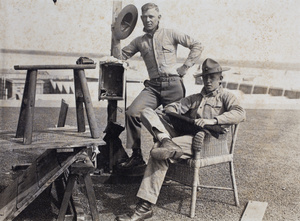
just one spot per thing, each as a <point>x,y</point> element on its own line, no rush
<point>147,114</point>
<point>133,112</point>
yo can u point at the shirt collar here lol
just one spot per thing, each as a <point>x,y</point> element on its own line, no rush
<point>211,94</point>
<point>149,33</point>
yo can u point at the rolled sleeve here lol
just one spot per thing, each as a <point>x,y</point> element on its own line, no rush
<point>234,113</point>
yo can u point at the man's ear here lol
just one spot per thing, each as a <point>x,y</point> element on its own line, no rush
<point>159,17</point>
<point>221,78</point>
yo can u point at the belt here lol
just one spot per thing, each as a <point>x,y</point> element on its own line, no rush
<point>166,78</point>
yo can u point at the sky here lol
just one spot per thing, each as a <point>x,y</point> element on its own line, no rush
<point>244,30</point>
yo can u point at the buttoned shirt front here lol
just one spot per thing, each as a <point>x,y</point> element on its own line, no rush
<point>159,51</point>
<point>220,104</point>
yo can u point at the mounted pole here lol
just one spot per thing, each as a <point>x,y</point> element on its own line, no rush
<point>116,52</point>
<point>115,43</point>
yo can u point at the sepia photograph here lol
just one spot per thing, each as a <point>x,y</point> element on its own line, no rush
<point>132,110</point>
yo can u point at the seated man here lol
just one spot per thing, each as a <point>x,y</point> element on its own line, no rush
<point>207,110</point>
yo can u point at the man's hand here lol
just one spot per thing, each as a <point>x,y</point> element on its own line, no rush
<point>111,59</point>
<point>182,70</point>
<point>170,109</point>
<point>202,122</point>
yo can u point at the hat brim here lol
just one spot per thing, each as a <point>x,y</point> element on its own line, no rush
<point>200,74</point>
<point>125,22</point>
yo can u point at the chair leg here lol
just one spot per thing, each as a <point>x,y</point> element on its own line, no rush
<point>237,203</point>
<point>194,191</point>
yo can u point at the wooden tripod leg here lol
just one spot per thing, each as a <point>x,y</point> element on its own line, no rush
<point>88,105</point>
<point>79,103</point>
<point>25,123</point>
<point>67,197</point>
<point>91,197</point>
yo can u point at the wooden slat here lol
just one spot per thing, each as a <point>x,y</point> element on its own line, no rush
<point>46,166</point>
<point>254,211</point>
<point>27,183</point>
<point>63,113</point>
<point>30,184</point>
<point>55,66</point>
<point>55,138</point>
<point>8,200</point>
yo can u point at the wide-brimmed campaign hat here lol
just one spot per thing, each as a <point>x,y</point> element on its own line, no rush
<point>125,22</point>
<point>210,66</point>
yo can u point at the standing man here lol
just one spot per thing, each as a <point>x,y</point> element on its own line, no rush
<point>158,47</point>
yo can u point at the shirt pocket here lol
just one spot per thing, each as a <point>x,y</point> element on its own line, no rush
<point>212,109</point>
<point>169,53</point>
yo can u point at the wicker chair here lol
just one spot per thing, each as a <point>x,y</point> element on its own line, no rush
<point>207,151</point>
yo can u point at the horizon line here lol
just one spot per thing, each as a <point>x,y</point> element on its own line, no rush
<point>237,63</point>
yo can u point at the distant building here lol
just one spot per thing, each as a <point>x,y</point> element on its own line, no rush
<point>12,83</point>
<point>15,88</point>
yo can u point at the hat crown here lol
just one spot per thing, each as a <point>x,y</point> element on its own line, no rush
<point>211,66</point>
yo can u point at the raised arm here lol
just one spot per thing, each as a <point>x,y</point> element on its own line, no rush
<point>129,50</point>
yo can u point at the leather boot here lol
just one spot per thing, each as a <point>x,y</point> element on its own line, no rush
<point>136,159</point>
<point>167,150</point>
<point>142,211</point>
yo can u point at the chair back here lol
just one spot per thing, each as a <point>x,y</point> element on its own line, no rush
<point>224,145</point>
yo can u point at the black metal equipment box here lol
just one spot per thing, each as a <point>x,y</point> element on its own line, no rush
<point>111,81</point>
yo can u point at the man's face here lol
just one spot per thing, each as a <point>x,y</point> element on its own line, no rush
<point>150,19</point>
<point>212,81</point>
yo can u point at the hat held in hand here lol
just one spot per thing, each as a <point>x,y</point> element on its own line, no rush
<point>210,66</point>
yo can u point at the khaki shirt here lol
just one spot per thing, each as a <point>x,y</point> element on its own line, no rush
<point>159,51</point>
<point>220,104</point>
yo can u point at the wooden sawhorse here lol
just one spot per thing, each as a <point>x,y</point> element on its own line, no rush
<point>81,168</point>
<point>82,95</point>
<point>41,174</point>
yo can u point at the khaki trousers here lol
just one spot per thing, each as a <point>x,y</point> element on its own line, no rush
<point>156,169</point>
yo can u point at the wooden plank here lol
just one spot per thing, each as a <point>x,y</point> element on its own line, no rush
<point>63,113</point>
<point>55,138</point>
<point>55,66</point>
<point>46,166</point>
<point>8,200</point>
<point>29,188</point>
<point>254,211</point>
<point>27,184</point>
